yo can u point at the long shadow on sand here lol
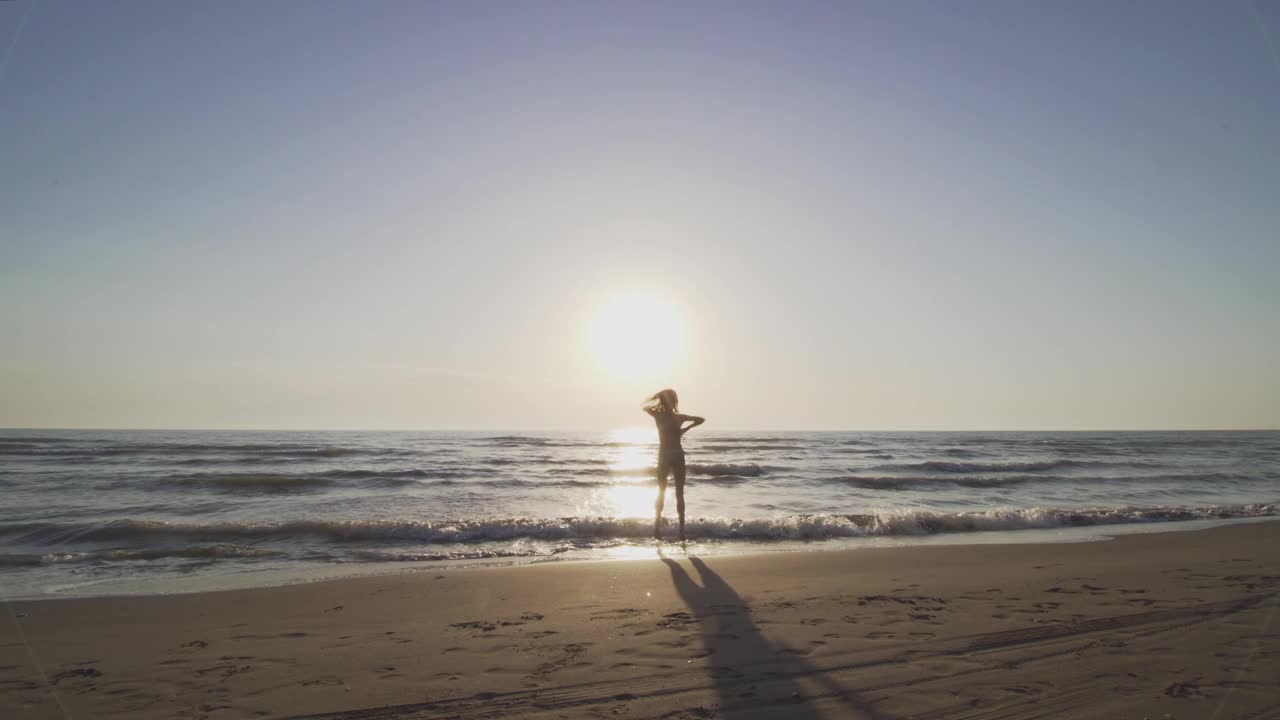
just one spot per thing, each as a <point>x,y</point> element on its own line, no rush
<point>753,677</point>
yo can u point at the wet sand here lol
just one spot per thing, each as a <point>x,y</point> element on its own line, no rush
<point>1179,624</point>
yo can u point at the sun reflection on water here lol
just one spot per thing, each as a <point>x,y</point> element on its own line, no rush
<point>632,451</point>
<point>631,501</point>
<point>630,459</point>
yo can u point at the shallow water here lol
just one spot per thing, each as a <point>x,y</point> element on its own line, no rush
<point>83,510</point>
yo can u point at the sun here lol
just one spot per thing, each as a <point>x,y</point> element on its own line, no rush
<point>636,337</point>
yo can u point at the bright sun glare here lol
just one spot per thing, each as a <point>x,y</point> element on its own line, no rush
<point>636,337</point>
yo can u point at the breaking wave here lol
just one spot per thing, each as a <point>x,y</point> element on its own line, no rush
<point>789,527</point>
<point>718,469</point>
<point>269,482</point>
<point>966,467</point>
<point>85,450</point>
<point>189,552</point>
<point>889,482</point>
<point>921,482</point>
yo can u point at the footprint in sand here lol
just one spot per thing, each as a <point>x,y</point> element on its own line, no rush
<point>226,670</point>
<point>76,674</point>
<point>676,621</point>
<point>1184,689</point>
<point>617,614</point>
<point>491,625</point>
<point>569,658</point>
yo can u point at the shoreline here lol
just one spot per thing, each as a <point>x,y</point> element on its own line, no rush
<point>1146,624</point>
<point>240,580</point>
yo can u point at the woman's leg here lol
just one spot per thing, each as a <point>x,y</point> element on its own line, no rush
<point>657,506</point>
<point>678,471</point>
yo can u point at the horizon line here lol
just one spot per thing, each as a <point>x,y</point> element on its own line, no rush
<point>610,429</point>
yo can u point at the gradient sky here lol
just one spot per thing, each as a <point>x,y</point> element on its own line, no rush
<point>890,215</point>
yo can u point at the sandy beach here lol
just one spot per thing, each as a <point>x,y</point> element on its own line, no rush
<point>1174,625</point>
<point>371,361</point>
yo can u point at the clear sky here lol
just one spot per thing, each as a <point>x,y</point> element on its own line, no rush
<point>863,215</point>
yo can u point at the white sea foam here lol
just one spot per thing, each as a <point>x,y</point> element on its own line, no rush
<point>807,526</point>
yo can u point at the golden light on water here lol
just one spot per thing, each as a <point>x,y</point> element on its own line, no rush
<point>632,500</point>
<point>633,437</point>
<point>636,337</point>
<point>633,452</point>
<point>631,457</point>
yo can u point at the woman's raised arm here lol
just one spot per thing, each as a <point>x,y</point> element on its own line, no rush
<point>690,419</point>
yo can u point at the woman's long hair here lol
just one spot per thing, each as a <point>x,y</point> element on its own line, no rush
<point>663,401</point>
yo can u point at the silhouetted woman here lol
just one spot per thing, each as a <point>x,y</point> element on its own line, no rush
<point>664,407</point>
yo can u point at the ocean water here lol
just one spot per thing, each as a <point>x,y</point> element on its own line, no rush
<point>87,512</point>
